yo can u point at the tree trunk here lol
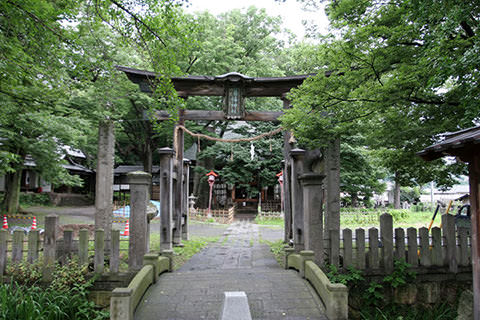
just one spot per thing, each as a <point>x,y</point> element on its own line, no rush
<point>396,195</point>
<point>354,200</point>
<point>12,192</point>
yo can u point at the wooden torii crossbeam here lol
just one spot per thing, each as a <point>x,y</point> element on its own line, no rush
<point>216,86</point>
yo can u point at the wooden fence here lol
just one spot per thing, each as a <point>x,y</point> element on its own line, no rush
<point>18,247</point>
<point>220,216</point>
<point>375,250</point>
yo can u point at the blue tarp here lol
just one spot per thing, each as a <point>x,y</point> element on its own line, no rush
<point>125,211</point>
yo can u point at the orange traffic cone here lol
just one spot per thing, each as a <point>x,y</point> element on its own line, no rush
<point>126,233</point>
<point>5,223</point>
<point>34,224</point>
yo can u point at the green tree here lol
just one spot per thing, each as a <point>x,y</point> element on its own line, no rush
<point>401,72</point>
<point>58,76</point>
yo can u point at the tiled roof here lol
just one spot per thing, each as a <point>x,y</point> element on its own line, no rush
<point>453,144</point>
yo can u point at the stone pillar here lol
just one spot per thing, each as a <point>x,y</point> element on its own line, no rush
<point>186,191</point>
<point>332,186</point>
<point>139,198</point>
<point>287,206</point>
<point>178,184</point>
<point>297,199</point>
<point>104,178</point>
<point>313,214</point>
<point>166,199</point>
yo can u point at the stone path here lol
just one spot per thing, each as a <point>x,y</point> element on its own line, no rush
<point>239,261</point>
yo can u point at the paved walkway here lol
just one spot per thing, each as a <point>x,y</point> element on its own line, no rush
<point>237,262</point>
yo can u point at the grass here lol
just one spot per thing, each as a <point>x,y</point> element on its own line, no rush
<point>192,246</point>
<point>278,250</point>
<point>269,221</point>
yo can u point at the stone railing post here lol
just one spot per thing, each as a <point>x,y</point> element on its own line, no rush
<point>49,246</point>
<point>306,255</point>
<point>313,214</point>
<point>166,197</point>
<point>297,199</point>
<point>120,304</point>
<point>288,251</point>
<point>186,191</point>
<point>139,198</point>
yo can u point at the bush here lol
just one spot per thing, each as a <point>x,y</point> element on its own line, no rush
<point>398,215</point>
<point>31,302</point>
<point>64,298</point>
<point>34,199</point>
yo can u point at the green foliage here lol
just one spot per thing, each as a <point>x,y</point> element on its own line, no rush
<point>32,199</point>
<point>444,311</point>
<point>65,297</point>
<point>396,73</point>
<point>399,215</point>
<point>25,273</point>
<point>401,274</point>
<point>69,275</point>
<point>374,293</point>
<point>25,302</point>
<point>350,278</point>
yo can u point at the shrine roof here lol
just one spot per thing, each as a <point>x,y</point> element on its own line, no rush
<point>194,85</point>
<point>464,144</point>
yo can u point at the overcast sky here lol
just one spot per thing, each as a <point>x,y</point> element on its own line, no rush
<point>290,11</point>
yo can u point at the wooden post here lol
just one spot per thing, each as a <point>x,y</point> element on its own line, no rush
<point>83,247</point>
<point>139,198</point>
<point>450,237</point>
<point>166,197</point>
<point>287,205</point>
<point>463,244</point>
<point>33,245</point>
<point>115,251</point>
<point>104,177</point>
<point>297,199</point>
<point>49,246</point>
<point>425,255</point>
<point>360,242</point>
<point>17,246</point>
<point>437,256</point>
<point>412,257</point>
<point>400,244</point>
<point>99,261</point>
<point>67,244</point>
<point>373,261</point>
<point>347,248</point>
<point>3,251</point>
<point>474,179</point>
<point>386,232</point>
<point>313,215</point>
<point>334,240</point>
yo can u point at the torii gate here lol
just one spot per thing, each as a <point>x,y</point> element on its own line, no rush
<point>235,87</point>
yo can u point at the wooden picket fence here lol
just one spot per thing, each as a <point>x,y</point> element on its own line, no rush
<point>220,216</point>
<point>13,248</point>
<point>375,250</point>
